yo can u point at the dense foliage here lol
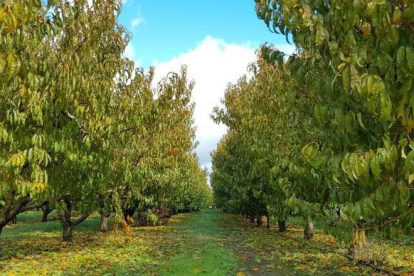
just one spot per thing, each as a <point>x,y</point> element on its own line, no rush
<point>82,130</point>
<point>339,130</point>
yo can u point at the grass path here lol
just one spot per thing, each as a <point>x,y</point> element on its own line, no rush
<point>200,247</point>
<point>208,242</point>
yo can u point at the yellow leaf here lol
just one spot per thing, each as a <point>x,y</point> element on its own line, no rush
<point>196,269</point>
<point>255,269</point>
<point>14,260</point>
<point>345,268</point>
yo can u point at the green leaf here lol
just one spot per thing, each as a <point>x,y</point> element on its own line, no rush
<point>386,107</point>
<point>361,123</point>
<point>410,178</point>
<point>2,64</point>
<point>346,74</point>
<point>410,58</point>
<point>401,56</point>
<point>375,167</point>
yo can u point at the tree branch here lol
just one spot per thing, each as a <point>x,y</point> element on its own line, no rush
<point>80,220</point>
<point>411,209</point>
<point>73,118</point>
<point>34,206</point>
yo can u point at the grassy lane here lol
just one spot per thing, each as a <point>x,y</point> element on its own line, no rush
<point>200,248</point>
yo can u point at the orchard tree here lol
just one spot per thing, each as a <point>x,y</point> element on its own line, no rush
<point>23,157</point>
<point>363,56</point>
<point>271,114</point>
<point>81,130</point>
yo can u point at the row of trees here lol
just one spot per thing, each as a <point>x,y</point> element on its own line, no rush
<point>82,130</point>
<point>328,128</point>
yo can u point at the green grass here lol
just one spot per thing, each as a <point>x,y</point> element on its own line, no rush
<point>201,248</point>
<point>207,242</point>
<point>29,225</point>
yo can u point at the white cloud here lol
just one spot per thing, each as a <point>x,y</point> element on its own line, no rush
<point>287,49</point>
<point>137,21</point>
<point>129,51</point>
<point>212,65</point>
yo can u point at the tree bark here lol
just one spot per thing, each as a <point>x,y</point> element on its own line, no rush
<point>282,225</point>
<point>104,222</point>
<point>46,211</point>
<point>67,234</point>
<point>13,207</point>
<point>267,220</point>
<point>260,221</point>
<point>65,218</point>
<point>309,230</point>
<point>251,219</point>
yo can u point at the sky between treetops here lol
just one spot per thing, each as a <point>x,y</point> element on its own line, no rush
<point>216,39</point>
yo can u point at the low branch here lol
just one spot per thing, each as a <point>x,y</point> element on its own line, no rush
<point>410,210</point>
<point>34,206</point>
<point>80,220</point>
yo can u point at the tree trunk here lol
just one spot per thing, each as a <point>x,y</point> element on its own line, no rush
<point>260,221</point>
<point>268,220</point>
<point>46,211</point>
<point>44,216</point>
<point>65,218</point>
<point>104,223</point>
<point>251,219</point>
<point>282,225</point>
<point>67,234</point>
<point>309,230</point>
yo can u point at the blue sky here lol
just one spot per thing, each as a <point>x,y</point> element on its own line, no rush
<point>165,28</point>
<point>215,39</point>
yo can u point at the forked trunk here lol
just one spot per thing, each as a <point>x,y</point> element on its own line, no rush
<point>309,230</point>
<point>65,218</point>
<point>282,225</point>
<point>46,211</point>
